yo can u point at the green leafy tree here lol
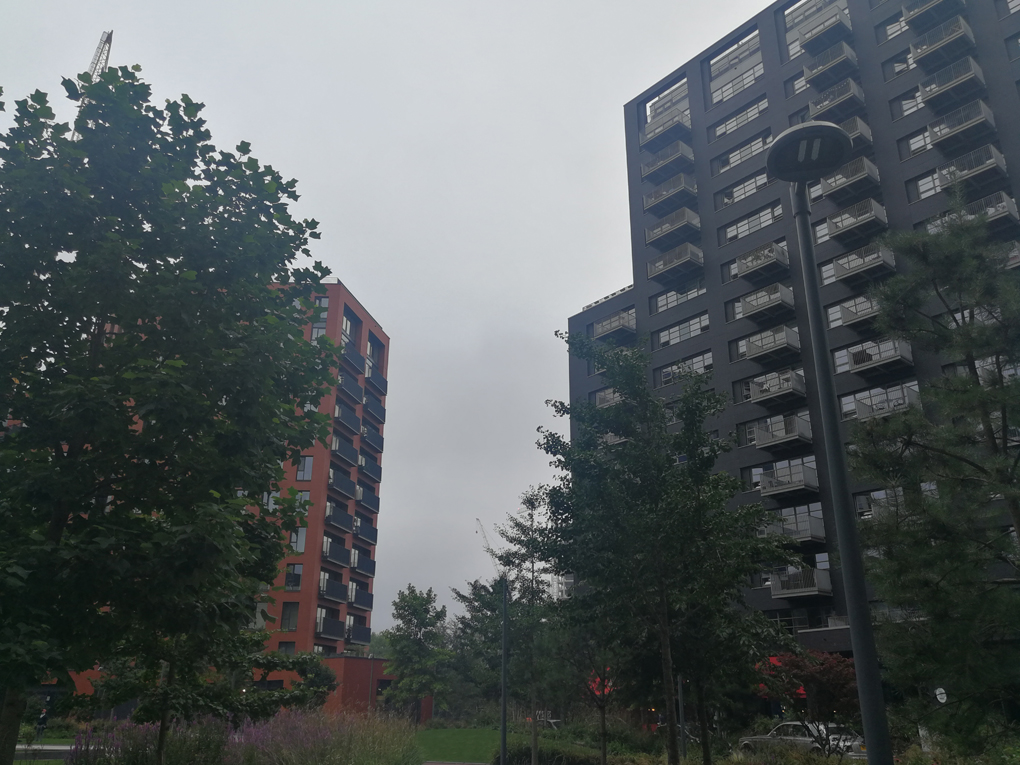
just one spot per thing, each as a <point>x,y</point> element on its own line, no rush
<point>645,522</point>
<point>946,561</point>
<point>154,378</point>
<point>419,656</point>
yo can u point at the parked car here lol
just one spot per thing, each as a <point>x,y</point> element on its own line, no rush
<point>808,736</point>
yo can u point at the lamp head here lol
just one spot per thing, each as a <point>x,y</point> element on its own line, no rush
<point>808,151</point>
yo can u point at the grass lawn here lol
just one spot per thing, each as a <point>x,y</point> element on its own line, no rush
<point>458,744</point>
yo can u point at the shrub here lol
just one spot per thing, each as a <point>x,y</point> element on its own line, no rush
<point>518,752</point>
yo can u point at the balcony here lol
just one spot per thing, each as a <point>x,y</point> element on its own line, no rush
<point>367,531</point>
<point>348,384</point>
<point>795,583</point>
<point>838,102</point>
<point>879,357</point>
<point>367,498</point>
<point>340,520</point>
<point>332,589</point>
<point>373,439</point>
<point>978,171</point>
<point>335,553</point>
<point>777,344</point>
<point>894,400</point>
<point>606,397</point>
<point>331,629</point>
<point>374,378</point>
<point>675,229</point>
<point>668,162</point>
<point>800,528</point>
<point>678,191</point>
<point>962,127</point>
<point>857,311</point>
<point>859,132</point>
<point>921,14</point>
<point>942,45</point>
<point>863,265</point>
<point>795,479</point>
<point>778,388</point>
<point>360,598</point>
<point>789,431</point>
<point>677,265</point>
<point>352,358</point>
<point>764,263</point>
<point>358,634</point>
<point>816,35</point>
<point>345,452</point>
<point>671,125</point>
<point>343,484</point>
<point>858,222</point>
<point>768,304</point>
<point>857,177</point>
<point>998,209</point>
<point>830,66</point>
<point>348,418</point>
<point>364,565</point>
<point>374,407</point>
<point>619,326</point>
<point>956,84</point>
<point>370,469</point>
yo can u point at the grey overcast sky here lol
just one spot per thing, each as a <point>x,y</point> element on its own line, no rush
<point>466,162</point>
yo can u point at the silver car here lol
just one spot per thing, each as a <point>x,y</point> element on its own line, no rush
<point>807,736</point>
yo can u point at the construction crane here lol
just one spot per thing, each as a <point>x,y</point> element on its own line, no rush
<point>100,60</point>
<point>487,546</point>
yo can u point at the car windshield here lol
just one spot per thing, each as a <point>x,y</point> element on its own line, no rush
<point>836,730</point>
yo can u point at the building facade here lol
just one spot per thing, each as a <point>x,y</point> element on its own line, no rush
<point>927,90</point>
<point>323,598</point>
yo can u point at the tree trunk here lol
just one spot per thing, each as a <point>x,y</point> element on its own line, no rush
<point>14,703</point>
<point>706,743</point>
<point>603,735</point>
<point>164,718</point>
<point>534,727</point>
<point>672,733</point>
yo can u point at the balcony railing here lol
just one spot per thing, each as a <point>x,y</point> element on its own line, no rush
<point>778,385</point>
<point>372,439</point>
<point>666,161</point>
<point>374,378</point>
<point>816,37</point>
<point>367,498</point>
<point>372,470</point>
<point>888,402</point>
<point>618,325</point>
<point>940,87</point>
<point>787,583</point>
<point>764,262</point>
<point>678,264</point>
<point>675,228</point>
<point>665,128</point>
<point>878,355</point>
<point>794,478</point>
<point>335,553</point>
<point>375,408</point>
<point>348,383</point>
<point>999,209</point>
<point>353,358</point>
<point>986,160</point>
<point>801,528</point>
<point>769,302</point>
<point>863,263</point>
<point>974,118</point>
<point>786,430</point>
<point>332,629</point>
<point>339,519</point>
<point>360,598</point>
<point>346,452</point>
<point>359,635</point>
<point>331,589</point>
<point>367,531</point>
<point>857,310</point>
<point>777,341</point>
<point>923,13</point>
<point>853,177</point>
<point>838,102</point>
<point>860,220</point>
<point>858,130</point>
<point>364,565</point>
<point>343,484</point>
<point>607,397</point>
<point>942,44</point>
<point>679,190</point>
<point>347,417</point>
<point>830,65</point>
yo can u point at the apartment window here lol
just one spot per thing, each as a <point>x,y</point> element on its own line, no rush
<point>869,502</point>
<point>908,103</point>
<point>739,119</point>
<point>777,379</point>
<point>741,153</point>
<point>753,222</point>
<point>349,326</point>
<point>297,539</point>
<point>1013,47</point>
<point>671,373</point>
<point>1006,7</point>
<point>374,357</point>
<point>681,294</point>
<point>876,398</point>
<point>304,470</point>
<point>729,271</point>
<point>734,309</point>
<point>289,617</point>
<point>795,85</point>
<point>287,647</point>
<point>914,144</point>
<point>751,476</point>
<point>799,117</point>
<point>742,190</point>
<point>890,28</point>
<point>685,330</point>
<point>292,577</point>
<point>923,186</point>
<point>741,82</point>
<point>747,431</point>
<point>322,301</point>
<point>821,229</point>
<point>897,65</point>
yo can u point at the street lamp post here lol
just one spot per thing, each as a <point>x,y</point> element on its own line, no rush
<point>802,154</point>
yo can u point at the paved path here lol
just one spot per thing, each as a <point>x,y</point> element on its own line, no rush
<point>42,752</point>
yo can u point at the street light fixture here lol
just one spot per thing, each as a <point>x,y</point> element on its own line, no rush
<point>804,153</point>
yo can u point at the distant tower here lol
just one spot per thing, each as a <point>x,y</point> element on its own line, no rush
<point>100,60</point>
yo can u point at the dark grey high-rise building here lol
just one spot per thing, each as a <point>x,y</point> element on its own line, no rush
<point>928,90</point>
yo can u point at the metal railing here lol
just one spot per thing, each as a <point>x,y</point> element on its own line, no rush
<point>854,215</point>
<point>607,397</point>
<point>961,167</point>
<point>790,427</point>
<point>941,34</point>
<point>862,259</point>
<point>856,127</point>
<point>839,17</point>
<point>772,339</point>
<point>756,258</point>
<point>828,57</point>
<point>850,172</point>
<point>994,205</point>
<point>951,74</point>
<point>685,253</point>
<point>845,89</point>
<point>666,155</point>
<point>672,118</point>
<point>874,352</point>
<point>895,399</point>
<point>774,383</point>
<point>618,320</point>
<point>956,120</point>
<point>682,217</point>
<point>330,628</point>
<point>772,295</point>
<point>679,182</point>
<point>788,479</point>
<point>787,581</point>
<point>857,309</point>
